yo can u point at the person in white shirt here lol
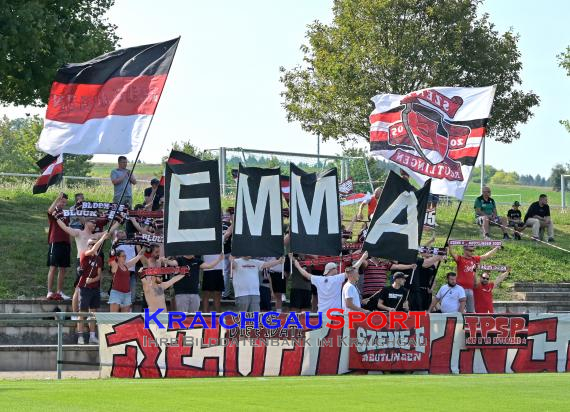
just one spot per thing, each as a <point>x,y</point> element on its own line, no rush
<point>245,274</point>
<point>350,293</point>
<point>451,296</point>
<point>329,286</point>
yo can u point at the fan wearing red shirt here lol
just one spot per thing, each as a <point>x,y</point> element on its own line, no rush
<point>372,203</point>
<point>466,267</point>
<point>59,252</point>
<point>89,282</point>
<point>483,292</point>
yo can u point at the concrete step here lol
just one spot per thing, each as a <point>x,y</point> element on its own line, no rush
<point>32,334</point>
<point>44,357</point>
<point>522,306</point>
<point>39,305</point>
<point>50,306</point>
<point>541,287</point>
<point>547,296</point>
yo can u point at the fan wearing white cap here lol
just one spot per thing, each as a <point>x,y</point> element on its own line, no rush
<point>329,286</point>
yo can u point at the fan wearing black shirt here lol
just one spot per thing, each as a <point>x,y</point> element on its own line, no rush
<point>538,217</point>
<point>420,282</point>
<point>514,217</point>
<point>154,195</point>
<point>391,298</point>
<point>186,290</point>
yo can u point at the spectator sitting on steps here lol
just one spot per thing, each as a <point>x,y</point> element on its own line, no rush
<point>486,214</point>
<point>538,217</point>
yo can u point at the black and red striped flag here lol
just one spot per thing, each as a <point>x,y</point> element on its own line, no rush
<point>177,158</point>
<point>105,105</point>
<point>52,173</point>
<point>432,133</point>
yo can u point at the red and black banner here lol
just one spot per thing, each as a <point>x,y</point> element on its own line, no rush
<point>105,105</point>
<point>52,173</point>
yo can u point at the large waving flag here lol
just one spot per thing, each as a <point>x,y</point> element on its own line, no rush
<point>105,105</point>
<point>432,133</point>
<point>52,173</point>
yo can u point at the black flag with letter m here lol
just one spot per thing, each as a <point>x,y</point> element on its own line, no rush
<point>192,215</point>
<point>315,213</point>
<point>396,228</point>
<point>258,222</point>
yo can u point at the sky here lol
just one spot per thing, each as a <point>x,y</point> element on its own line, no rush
<point>224,90</point>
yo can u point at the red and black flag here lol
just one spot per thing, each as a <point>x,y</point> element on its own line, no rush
<point>105,105</point>
<point>178,158</point>
<point>52,173</point>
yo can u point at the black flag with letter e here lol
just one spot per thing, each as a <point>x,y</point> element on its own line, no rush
<point>314,213</point>
<point>396,228</point>
<point>192,214</point>
<point>258,222</point>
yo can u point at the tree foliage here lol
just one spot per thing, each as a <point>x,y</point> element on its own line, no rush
<point>18,138</point>
<point>564,61</point>
<point>558,170</point>
<point>398,46</point>
<point>37,37</point>
<point>504,178</point>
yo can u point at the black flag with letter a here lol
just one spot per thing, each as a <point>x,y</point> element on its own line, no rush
<point>396,228</point>
<point>258,222</point>
<point>192,214</point>
<point>314,213</point>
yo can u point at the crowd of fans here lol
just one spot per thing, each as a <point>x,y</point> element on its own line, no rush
<point>365,284</point>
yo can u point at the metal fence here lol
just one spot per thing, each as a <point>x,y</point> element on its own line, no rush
<point>59,319</point>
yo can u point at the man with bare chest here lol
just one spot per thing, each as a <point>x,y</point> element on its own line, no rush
<point>153,287</point>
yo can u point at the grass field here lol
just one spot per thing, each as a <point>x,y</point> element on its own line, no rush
<point>24,230</point>
<point>520,392</point>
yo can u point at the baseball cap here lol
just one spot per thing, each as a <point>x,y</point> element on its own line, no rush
<point>154,181</point>
<point>329,266</point>
<point>516,203</point>
<point>399,275</point>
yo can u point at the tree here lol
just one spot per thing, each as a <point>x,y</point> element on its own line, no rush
<point>37,37</point>
<point>398,46</point>
<point>188,148</point>
<point>504,178</point>
<point>18,138</point>
<point>558,170</point>
<point>564,61</point>
<point>489,173</point>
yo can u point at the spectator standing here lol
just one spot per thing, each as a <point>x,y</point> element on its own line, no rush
<point>376,274</point>
<point>466,267</point>
<point>350,294</point>
<point>227,230</point>
<point>120,180</point>
<point>538,217</point>
<point>329,286</point>
<point>130,252</point>
<point>391,298</point>
<point>59,252</point>
<point>213,283</point>
<point>120,299</point>
<point>483,292</point>
<point>420,281</point>
<point>75,222</point>
<point>371,203</point>
<point>486,214</point>
<point>89,283</point>
<point>300,293</point>
<point>450,296</point>
<point>153,195</point>
<point>278,285</point>
<point>245,272</point>
<point>514,217</point>
<point>187,295</point>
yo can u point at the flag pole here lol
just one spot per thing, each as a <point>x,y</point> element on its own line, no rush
<point>449,233</point>
<point>144,139</point>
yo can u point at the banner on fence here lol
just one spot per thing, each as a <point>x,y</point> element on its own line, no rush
<point>129,350</point>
